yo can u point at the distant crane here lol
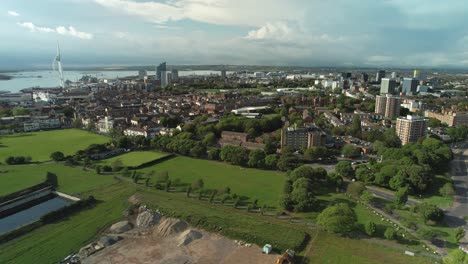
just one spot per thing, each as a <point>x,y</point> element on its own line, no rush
<point>58,61</point>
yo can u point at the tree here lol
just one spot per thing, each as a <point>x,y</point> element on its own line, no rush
<point>57,156</point>
<point>356,188</point>
<point>401,196</point>
<point>434,122</point>
<point>350,151</point>
<point>447,190</point>
<point>168,185</point>
<point>459,233</point>
<point>198,184</point>
<point>20,111</point>
<point>271,161</point>
<point>429,212</point>
<point>288,162</point>
<point>116,165</point>
<point>340,219</point>
<point>189,190</point>
<point>457,256</point>
<point>391,139</point>
<point>370,228</point>
<point>98,169</point>
<point>390,233</point>
<point>52,179</point>
<point>209,139</point>
<point>344,169</point>
<point>355,129</point>
<point>162,177</point>
<point>315,153</point>
<point>270,146</point>
<point>256,159</point>
<point>367,196</point>
<point>213,154</point>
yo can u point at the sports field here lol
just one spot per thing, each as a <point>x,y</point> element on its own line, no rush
<point>266,186</point>
<point>135,158</point>
<point>71,180</point>
<point>39,145</point>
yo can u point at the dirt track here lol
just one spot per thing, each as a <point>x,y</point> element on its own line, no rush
<point>210,249</point>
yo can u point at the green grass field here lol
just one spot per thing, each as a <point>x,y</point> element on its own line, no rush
<point>39,145</point>
<point>330,249</point>
<point>71,180</point>
<point>266,186</point>
<point>135,158</point>
<point>53,242</point>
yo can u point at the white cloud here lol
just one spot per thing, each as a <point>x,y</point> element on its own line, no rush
<point>270,31</point>
<point>120,34</point>
<point>70,31</point>
<point>13,13</point>
<point>34,28</point>
<point>220,12</point>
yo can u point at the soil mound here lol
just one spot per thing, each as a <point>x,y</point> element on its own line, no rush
<point>169,226</point>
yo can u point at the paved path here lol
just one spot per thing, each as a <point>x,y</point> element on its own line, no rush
<point>454,216</point>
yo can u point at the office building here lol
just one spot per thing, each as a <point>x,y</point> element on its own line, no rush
<point>387,105</point>
<point>159,69</point>
<point>364,77</point>
<point>411,128</point>
<point>175,75</point>
<point>410,85</point>
<point>223,74</point>
<point>417,74</point>
<point>379,76</point>
<point>302,137</point>
<point>388,86</point>
<point>394,75</point>
<point>163,78</point>
<point>142,74</point>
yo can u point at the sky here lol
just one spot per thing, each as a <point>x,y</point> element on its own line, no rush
<point>364,33</point>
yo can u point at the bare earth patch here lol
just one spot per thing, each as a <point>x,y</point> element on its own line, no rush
<point>209,249</point>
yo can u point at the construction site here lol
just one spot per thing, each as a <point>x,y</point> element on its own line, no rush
<point>149,237</point>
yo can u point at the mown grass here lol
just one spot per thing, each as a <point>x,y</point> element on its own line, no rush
<point>230,222</point>
<point>266,186</point>
<point>51,243</point>
<point>433,195</point>
<point>71,180</point>
<point>135,158</point>
<point>39,145</point>
<point>331,249</point>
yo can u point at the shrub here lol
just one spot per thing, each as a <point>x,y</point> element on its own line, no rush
<point>57,156</point>
<point>370,228</point>
<point>338,219</point>
<point>355,188</point>
<point>390,233</point>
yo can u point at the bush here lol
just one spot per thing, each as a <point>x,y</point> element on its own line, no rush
<point>459,233</point>
<point>429,212</point>
<point>106,168</point>
<point>355,188</point>
<point>401,196</point>
<point>340,219</point>
<point>390,233</point>
<point>447,190</point>
<point>370,228</point>
<point>367,196</point>
<point>14,160</point>
<point>426,234</point>
<point>57,156</point>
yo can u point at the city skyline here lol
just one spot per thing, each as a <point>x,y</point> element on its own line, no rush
<point>299,33</point>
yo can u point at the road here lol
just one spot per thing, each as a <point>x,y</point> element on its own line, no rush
<point>455,214</point>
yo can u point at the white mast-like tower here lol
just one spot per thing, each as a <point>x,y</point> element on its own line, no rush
<point>58,61</point>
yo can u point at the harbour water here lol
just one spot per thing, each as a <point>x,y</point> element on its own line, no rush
<point>44,78</point>
<point>31,214</point>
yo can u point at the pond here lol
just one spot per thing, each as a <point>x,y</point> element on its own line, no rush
<point>31,214</point>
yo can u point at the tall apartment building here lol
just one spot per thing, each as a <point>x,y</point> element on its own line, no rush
<point>411,128</point>
<point>302,137</point>
<point>379,76</point>
<point>388,86</point>
<point>410,85</point>
<point>160,69</point>
<point>387,105</point>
